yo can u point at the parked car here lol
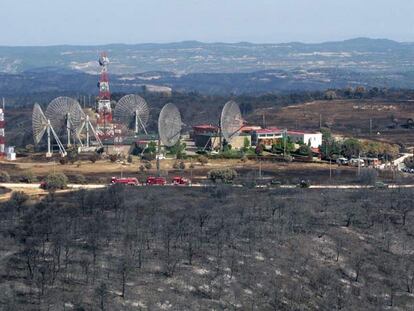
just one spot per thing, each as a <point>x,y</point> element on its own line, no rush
<point>342,161</point>
<point>304,184</point>
<point>178,180</point>
<point>156,181</point>
<point>275,183</point>
<point>131,181</point>
<point>357,162</point>
<point>381,185</point>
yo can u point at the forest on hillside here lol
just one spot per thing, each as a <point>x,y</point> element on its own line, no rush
<point>219,248</point>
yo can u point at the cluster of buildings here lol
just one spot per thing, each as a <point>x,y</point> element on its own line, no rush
<point>207,136</point>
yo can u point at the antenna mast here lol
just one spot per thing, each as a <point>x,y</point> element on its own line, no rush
<point>105,127</point>
<point>2,132</point>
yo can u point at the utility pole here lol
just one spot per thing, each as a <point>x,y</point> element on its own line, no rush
<point>260,169</point>
<point>330,161</point>
<point>191,171</point>
<point>320,121</point>
<point>330,169</point>
<point>264,120</point>
<point>370,127</point>
<point>158,157</point>
<point>284,143</point>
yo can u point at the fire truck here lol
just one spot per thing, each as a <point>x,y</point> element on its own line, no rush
<point>178,180</point>
<point>132,181</point>
<point>156,181</point>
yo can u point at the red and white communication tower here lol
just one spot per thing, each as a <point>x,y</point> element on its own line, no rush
<point>2,132</point>
<point>105,127</point>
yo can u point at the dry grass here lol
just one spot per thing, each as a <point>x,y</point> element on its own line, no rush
<point>345,117</point>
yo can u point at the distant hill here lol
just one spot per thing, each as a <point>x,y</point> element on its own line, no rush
<point>211,67</point>
<point>197,57</point>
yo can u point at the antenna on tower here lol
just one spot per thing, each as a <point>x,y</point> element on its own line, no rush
<point>105,128</point>
<point>2,131</point>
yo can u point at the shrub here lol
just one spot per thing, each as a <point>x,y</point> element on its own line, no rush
<point>79,179</point>
<point>141,168</point>
<point>72,155</point>
<point>19,197</point>
<point>409,162</point>
<point>179,165</point>
<point>148,165</point>
<point>4,176</point>
<point>148,156</point>
<point>113,157</point>
<point>28,177</point>
<point>129,159</point>
<point>259,149</point>
<point>30,148</point>
<point>305,150</point>
<point>56,181</point>
<point>94,157</point>
<point>63,161</point>
<point>203,160</point>
<point>224,175</point>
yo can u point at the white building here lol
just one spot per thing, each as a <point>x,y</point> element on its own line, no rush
<point>313,139</point>
<point>10,154</point>
<point>266,137</point>
<point>270,135</point>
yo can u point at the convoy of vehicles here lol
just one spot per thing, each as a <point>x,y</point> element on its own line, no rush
<point>150,181</point>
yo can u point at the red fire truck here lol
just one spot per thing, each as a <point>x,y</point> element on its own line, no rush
<point>132,181</point>
<point>158,181</point>
<point>178,180</point>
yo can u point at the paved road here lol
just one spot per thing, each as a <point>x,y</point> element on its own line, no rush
<point>37,186</point>
<point>23,186</point>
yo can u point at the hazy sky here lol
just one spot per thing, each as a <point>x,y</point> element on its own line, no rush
<point>46,22</point>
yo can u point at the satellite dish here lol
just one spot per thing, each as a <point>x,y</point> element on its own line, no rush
<point>40,126</point>
<point>231,120</point>
<point>169,125</point>
<point>65,115</point>
<point>132,110</point>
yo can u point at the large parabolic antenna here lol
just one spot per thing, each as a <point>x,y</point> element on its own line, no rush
<point>231,120</point>
<point>169,125</point>
<point>39,124</point>
<point>132,111</point>
<point>65,115</point>
<point>42,125</point>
